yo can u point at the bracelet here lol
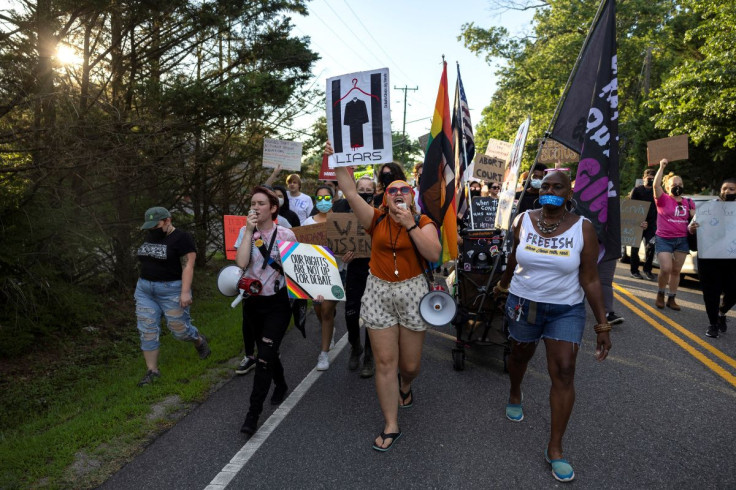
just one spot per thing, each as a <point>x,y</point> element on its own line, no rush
<point>500,288</point>
<point>602,327</point>
<point>409,229</point>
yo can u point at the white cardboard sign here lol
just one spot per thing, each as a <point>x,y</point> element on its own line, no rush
<point>359,118</point>
<point>288,154</point>
<point>716,230</point>
<point>310,271</point>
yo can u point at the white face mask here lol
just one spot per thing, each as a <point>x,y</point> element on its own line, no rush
<point>339,194</point>
<point>281,201</point>
<point>536,183</point>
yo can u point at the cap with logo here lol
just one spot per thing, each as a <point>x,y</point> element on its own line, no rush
<point>153,216</point>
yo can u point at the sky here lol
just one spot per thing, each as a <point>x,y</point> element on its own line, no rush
<point>408,37</point>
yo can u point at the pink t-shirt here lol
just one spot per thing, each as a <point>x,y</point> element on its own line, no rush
<point>672,217</point>
<point>272,281</point>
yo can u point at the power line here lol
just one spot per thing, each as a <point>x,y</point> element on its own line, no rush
<point>339,37</point>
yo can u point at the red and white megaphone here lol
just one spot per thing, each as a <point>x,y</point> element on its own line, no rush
<point>437,307</point>
<point>230,282</point>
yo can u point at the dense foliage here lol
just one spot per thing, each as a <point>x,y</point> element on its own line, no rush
<point>108,108</point>
<point>674,77</point>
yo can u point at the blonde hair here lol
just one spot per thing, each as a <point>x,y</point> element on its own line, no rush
<point>369,179</point>
<point>667,179</point>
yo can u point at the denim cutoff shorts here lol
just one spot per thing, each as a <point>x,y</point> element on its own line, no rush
<point>544,320</point>
<point>671,245</point>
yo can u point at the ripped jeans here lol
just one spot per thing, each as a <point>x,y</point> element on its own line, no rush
<point>156,298</point>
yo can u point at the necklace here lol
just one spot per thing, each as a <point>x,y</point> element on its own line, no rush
<point>393,245</point>
<point>545,227</point>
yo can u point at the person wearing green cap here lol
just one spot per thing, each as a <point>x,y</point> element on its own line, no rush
<point>165,288</point>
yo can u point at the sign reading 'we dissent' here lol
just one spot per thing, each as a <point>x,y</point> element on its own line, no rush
<point>346,234</point>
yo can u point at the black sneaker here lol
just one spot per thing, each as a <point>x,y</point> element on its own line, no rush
<point>246,365</point>
<point>250,425</point>
<point>722,323</point>
<point>614,319</point>
<point>636,275</point>
<point>149,378</point>
<point>649,275</point>
<point>203,348</point>
<point>355,353</point>
<point>712,332</point>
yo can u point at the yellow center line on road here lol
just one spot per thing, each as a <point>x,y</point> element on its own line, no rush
<point>677,340</point>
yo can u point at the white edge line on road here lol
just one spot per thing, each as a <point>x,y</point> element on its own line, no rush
<point>241,458</point>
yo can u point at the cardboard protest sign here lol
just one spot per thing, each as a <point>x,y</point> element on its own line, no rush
<point>673,149</point>
<point>499,149</point>
<point>424,141</point>
<point>312,234</point>
<point>327,173</point>
<point>288,154</point>
<point>716,230</point>
<point>554,152</point>
<point>359,118</point>
<point>346,234</point>
<point>633,212</point>
<point>310,271</point>
<point>483,212</point>
<point>488,169</point>
<point>511,175</point>
<point>231,228</point>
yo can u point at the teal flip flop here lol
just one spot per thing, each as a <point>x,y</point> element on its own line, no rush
<point>394,436</point>
<point>561,468</point>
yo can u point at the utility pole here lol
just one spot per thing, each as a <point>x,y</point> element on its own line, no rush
<point>405,89</point>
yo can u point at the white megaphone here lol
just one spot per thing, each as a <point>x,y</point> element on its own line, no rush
<point>227,280</point>
<point>437,307</point>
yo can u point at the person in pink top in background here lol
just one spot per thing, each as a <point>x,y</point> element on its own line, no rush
<point>673,214</point>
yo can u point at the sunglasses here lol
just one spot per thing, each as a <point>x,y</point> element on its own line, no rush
<point>495,187</point>
<point>323,198</point>
<point>392,191</point>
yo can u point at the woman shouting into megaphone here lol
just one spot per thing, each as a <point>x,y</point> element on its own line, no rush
<point>268,313</point>
<point>402,242</point>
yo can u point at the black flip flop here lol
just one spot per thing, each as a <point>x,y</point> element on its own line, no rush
<point>404,396</point>
<point>394,436</point>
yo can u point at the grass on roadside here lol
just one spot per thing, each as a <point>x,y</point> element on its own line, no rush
<point>77,422</point>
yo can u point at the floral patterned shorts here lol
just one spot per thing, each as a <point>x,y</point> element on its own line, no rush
<point>387,303</point>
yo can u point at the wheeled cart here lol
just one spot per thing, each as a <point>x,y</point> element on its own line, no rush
<point>480,319</point>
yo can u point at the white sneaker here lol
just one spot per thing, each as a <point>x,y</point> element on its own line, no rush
<point>323,362</point>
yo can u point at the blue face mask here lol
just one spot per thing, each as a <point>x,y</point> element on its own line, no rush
<point>324,206</point>
<point>550,200</point>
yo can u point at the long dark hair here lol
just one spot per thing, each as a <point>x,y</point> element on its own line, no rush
<point>284,193</point>
<point>397,173</point>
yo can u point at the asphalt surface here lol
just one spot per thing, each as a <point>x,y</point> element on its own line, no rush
<point>658,413</point>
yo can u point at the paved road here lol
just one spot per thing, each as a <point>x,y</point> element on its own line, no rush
<point>659,413</point>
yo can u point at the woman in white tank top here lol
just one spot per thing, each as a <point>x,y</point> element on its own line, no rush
<point>550,271</point>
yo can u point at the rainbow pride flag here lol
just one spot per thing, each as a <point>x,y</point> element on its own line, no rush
<point>437,185</point>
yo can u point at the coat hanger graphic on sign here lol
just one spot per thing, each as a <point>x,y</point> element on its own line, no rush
<point>355,87</point>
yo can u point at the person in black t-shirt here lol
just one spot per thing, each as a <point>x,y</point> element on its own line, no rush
<point>165,288</point>
<point>645,193</point>
<point>529,199</point>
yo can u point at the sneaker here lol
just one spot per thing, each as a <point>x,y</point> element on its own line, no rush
<point>369,369</point>
<point>636,275</point>
<point>323,362</point>
<point>649,275</point>
<point>614,319</point>
<point>203,348</point>
<point>250,425</point>
<point>722,323</point>
<point>149,378</point>
<point>246,365</point>
<point>355,353</point>
<point>712,332</point>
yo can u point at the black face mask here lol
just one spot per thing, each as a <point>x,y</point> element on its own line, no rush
<point>728,197</point>
<point>366,196</point>
<point>676,190</point>
<point>156,235</point>
<point>474,193</point>
<point>649,182</point>
<point>386,178</point>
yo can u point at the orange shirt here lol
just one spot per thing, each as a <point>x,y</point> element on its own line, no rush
<point>382,259</point>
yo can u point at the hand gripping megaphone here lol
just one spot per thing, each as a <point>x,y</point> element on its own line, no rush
<point>230,282</point>
<point>437,307</point>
